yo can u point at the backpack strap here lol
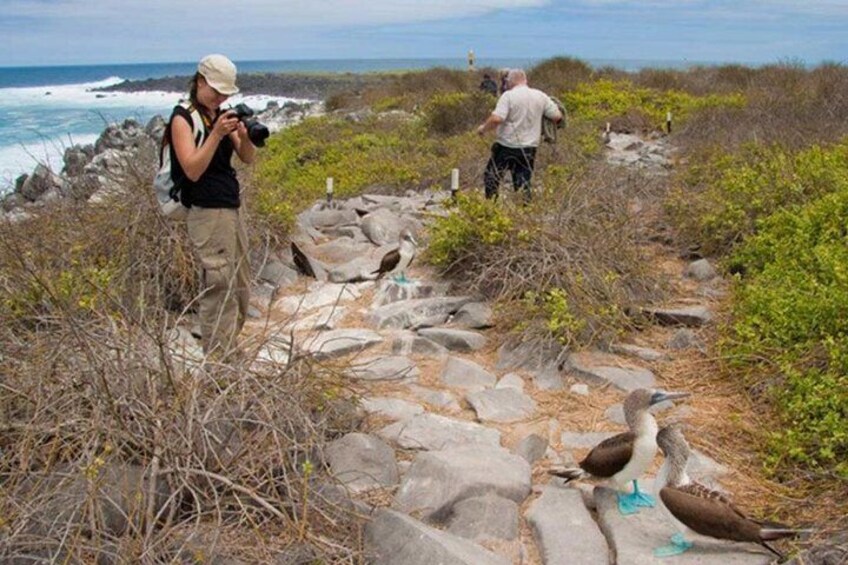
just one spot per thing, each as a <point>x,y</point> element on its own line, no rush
<point>198,126</point>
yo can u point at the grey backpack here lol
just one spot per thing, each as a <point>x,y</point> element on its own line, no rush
<point>167,191</point>
<point>550,127</point>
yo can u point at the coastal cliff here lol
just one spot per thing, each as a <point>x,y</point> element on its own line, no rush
<point>92,172</point>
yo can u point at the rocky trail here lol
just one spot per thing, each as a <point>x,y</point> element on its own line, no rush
<point>451,463</point>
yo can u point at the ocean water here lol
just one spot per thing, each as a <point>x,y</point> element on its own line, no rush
<point>44,110</point>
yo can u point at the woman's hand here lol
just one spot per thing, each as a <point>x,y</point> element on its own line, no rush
<point>226,123</point>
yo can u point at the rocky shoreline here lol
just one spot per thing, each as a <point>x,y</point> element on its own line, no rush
<point>92,172</point>
<point>292,85</point>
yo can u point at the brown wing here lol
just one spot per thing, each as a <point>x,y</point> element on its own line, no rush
<point>389,262</point>
<point>301,261</point>
<point>610,456</point>
<point>709,513</point>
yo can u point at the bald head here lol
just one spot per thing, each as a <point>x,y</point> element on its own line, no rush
<point>516,77</point>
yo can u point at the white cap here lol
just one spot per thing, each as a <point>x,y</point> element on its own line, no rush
<point>220,73</point>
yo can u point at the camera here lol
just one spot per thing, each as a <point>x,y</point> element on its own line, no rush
<point>257,132</point>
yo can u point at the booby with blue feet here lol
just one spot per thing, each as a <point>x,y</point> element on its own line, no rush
<point>694,508</point>
<point>625,457</point>
<point>396,261</point>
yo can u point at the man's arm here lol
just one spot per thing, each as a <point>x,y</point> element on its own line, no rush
<point>552,111</point>
<point>491,123</point>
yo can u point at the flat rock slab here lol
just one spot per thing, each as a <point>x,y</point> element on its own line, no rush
<point>439,479</point>
<point>564,530</point>
<point>393,538</point>
<point>634,538</point>
<point>355,270</point>
<point>502,405</point>
<point>584,440</point>
<point>342,249</point>
<point>700,270</point>
<point>390,291</point>
<point>409,343</point>
<point>336,343</point>
<point>392,368</point>
<point>643,353</point>
<point>362,462</point>
<point>485,517</point>
<point>532,448</point>
<point>475,315</point>
<point>431,431</point>
<point>692,316</point>
<point>455,340</point>
<point>462,373</point>
<point>438,398</point>
<point>325,294</point>
<point>393,408</point>
<point>326,318</point>
<point>589,366</point>
<point>511,380</point>
<point>412,313</point>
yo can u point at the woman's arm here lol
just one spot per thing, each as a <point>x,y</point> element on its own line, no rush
<point>195,160</point>
<point>244,148</point>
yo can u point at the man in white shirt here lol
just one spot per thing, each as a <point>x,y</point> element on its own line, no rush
<point>518,119</point>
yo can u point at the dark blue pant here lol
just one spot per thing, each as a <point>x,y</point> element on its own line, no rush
<point>519,162</point>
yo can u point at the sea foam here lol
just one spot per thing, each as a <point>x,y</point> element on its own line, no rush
<point>37,123</point>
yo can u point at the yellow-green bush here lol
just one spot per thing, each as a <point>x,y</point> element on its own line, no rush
<point>605,99</point>
<point>379,153</point>
<point>791,309</point>
<point>473,220</point>
<point>718,202</point>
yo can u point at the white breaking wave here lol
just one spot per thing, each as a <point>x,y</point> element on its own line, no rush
<point>42,121</point>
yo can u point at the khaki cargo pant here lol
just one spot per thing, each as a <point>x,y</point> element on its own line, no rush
<point>220,242</point>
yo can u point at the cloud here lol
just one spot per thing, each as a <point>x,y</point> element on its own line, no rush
<point>289,14</point>
<point>811,7</point>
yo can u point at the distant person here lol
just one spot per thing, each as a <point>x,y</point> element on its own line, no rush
<point>503,84</point>
<point>489,85</point>
<point>471,59</point>
<point>518,119</point>
<point>209,188</point>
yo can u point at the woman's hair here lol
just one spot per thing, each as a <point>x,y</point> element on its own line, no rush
<point>192,89</point>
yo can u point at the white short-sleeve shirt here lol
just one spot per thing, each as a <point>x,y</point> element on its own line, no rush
<point>522,108</point>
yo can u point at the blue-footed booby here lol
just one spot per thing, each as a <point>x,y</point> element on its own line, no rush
<point>625,457</point>
<point>398,260</point>
<point>693,507</point>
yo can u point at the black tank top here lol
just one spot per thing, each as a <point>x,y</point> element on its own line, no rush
<point>218,186</point>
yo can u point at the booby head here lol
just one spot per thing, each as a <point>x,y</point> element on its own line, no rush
<point>406,235</point>
<point>641,399</point>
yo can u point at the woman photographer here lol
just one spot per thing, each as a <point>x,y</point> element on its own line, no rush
<point>209,188</point>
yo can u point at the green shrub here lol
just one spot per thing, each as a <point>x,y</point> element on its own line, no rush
<point>456,112</point>
<point>792,309</point>
<point>719,201</point>
<point>384,154</point>
<point>472,220</point>
<point>606,99</point>
<point>559,74</point>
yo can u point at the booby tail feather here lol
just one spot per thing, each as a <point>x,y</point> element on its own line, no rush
<point>568,473</point>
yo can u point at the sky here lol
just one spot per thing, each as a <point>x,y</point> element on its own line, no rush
<point>65,32</point>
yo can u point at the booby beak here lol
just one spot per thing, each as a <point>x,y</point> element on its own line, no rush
<point>662,396</point>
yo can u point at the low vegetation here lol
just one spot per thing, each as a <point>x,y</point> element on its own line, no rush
<point>116,446</point>
<point>227,458</point>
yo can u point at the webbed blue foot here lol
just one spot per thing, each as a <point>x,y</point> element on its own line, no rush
<point>401,279</point>
<point>630,503</point>
<point>677,546</point>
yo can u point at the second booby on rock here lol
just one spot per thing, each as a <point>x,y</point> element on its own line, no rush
<point>625,457</point>
<point>693,507</point>
<point>398,260</point>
